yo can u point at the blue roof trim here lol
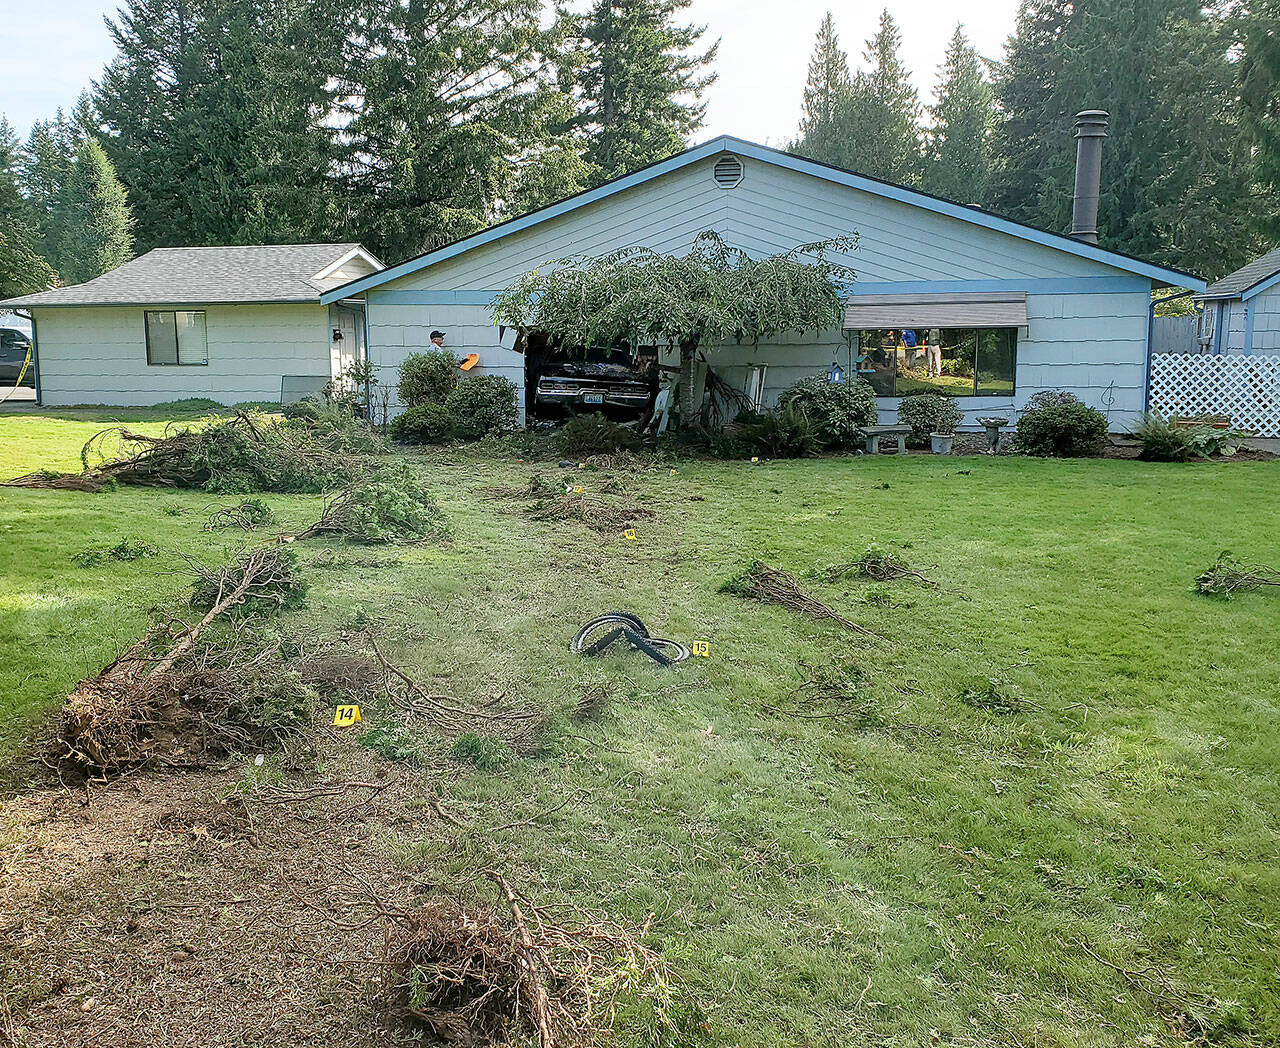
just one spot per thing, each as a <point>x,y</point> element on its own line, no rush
<point>1260,287</point>
<point>1116,285</point>
<point>727,143</point>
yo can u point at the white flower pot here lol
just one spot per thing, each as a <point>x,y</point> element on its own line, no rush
<point>942,442</point>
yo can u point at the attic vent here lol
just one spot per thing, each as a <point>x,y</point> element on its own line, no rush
<point>728,171</point>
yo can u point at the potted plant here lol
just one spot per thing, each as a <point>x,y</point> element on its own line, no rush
<point>944,427</point>
<point>993,426</point>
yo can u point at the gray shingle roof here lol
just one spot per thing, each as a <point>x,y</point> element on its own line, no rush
<point>204,275</point>
<point>1243,279</point>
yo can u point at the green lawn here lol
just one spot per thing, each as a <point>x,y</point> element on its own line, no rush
<point>915,871</point>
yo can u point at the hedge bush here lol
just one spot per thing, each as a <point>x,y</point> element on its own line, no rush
<point>425,424</point>
<point>928,413</point>
<point>1065,431</point>
<point>1051,398</point>
<point>428,378</point>
<point>483,405</point>
<point>837,410</point>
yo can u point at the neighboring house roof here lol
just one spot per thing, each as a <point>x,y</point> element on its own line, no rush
<point>740,147</point>
<point>1248,280</point>
<point>212,276</point>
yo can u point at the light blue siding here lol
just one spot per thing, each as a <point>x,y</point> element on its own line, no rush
<point>1087,320</point>
<point>772,210</point>
<point>1266,321</point>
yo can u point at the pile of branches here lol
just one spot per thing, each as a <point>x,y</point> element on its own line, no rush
<point>878,564</point>
<point>235,455</point>
<point>390,507</point>
<point>598,515</point>
<point>175,699</point>
<point>258,582</point>
<point>1227,576</point>
<point>471,974</point>
<point>537,488</point>
<point>773,586</point>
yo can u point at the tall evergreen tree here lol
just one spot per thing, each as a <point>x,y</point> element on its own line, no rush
<point>442,105</point>
<point>1174,185</point>
<point>874,123</point>
<point>826,91</point>
<point>883,111</point>
<point>22,268</point>
<point>46,165</point>
<point>958,156</point>
<point>215,117</point>
<point>637,78</point>
<point>99,225</point>
<point>1258,36</point>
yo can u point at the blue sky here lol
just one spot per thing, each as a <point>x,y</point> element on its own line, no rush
<point>53,48</point>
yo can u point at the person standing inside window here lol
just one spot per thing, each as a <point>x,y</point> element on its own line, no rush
<point>933,352</point>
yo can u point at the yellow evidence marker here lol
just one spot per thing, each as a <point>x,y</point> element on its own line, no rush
<point>345,716</point>
<point>577,491</point>
<point>701,648</point>
<point>755,458</point>
<point>629,534</point>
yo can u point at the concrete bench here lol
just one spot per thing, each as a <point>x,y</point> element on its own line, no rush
<point>874,433</point>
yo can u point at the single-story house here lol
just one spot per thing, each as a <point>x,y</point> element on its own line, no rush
<point>1241,312</point>
<point>1015,309</point>
<point>228,323</point>
<point>997,310</point>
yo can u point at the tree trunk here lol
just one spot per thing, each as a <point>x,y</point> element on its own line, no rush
<point>688,355</point>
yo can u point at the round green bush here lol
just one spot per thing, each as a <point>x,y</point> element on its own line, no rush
<point>837,410</point>
<point>928,413</point>
<point>428,378</point>
<point>483,405</point>
<point>1065,431</point>
<point>1051,398</point>
<point>426,424</point>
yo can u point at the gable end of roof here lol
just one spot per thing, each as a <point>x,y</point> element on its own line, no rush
<point>766,154</point>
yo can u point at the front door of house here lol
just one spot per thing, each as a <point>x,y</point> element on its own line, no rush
<point>347,329</point>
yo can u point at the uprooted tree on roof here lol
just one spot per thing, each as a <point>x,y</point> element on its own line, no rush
<point>714,293</point>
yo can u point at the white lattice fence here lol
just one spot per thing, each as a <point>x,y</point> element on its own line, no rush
<point>1245,388</point>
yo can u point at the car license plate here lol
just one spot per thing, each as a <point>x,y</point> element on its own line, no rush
<point>593,398</point>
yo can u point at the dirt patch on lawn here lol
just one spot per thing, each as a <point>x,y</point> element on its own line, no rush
<point>178,910</point>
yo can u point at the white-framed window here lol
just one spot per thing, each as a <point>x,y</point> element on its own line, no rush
<point>1208,322</point>
<point>176,337</point>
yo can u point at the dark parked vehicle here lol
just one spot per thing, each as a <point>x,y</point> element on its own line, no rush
<point>577,382</point>
<point>14,347</point>
<point>584,385</point>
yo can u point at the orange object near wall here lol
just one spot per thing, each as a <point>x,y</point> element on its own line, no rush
<point>472,360</point>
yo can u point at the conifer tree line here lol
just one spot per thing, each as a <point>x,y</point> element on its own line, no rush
<point>1191,169</point>
<point>406,124</point>
<point>403,124</point>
